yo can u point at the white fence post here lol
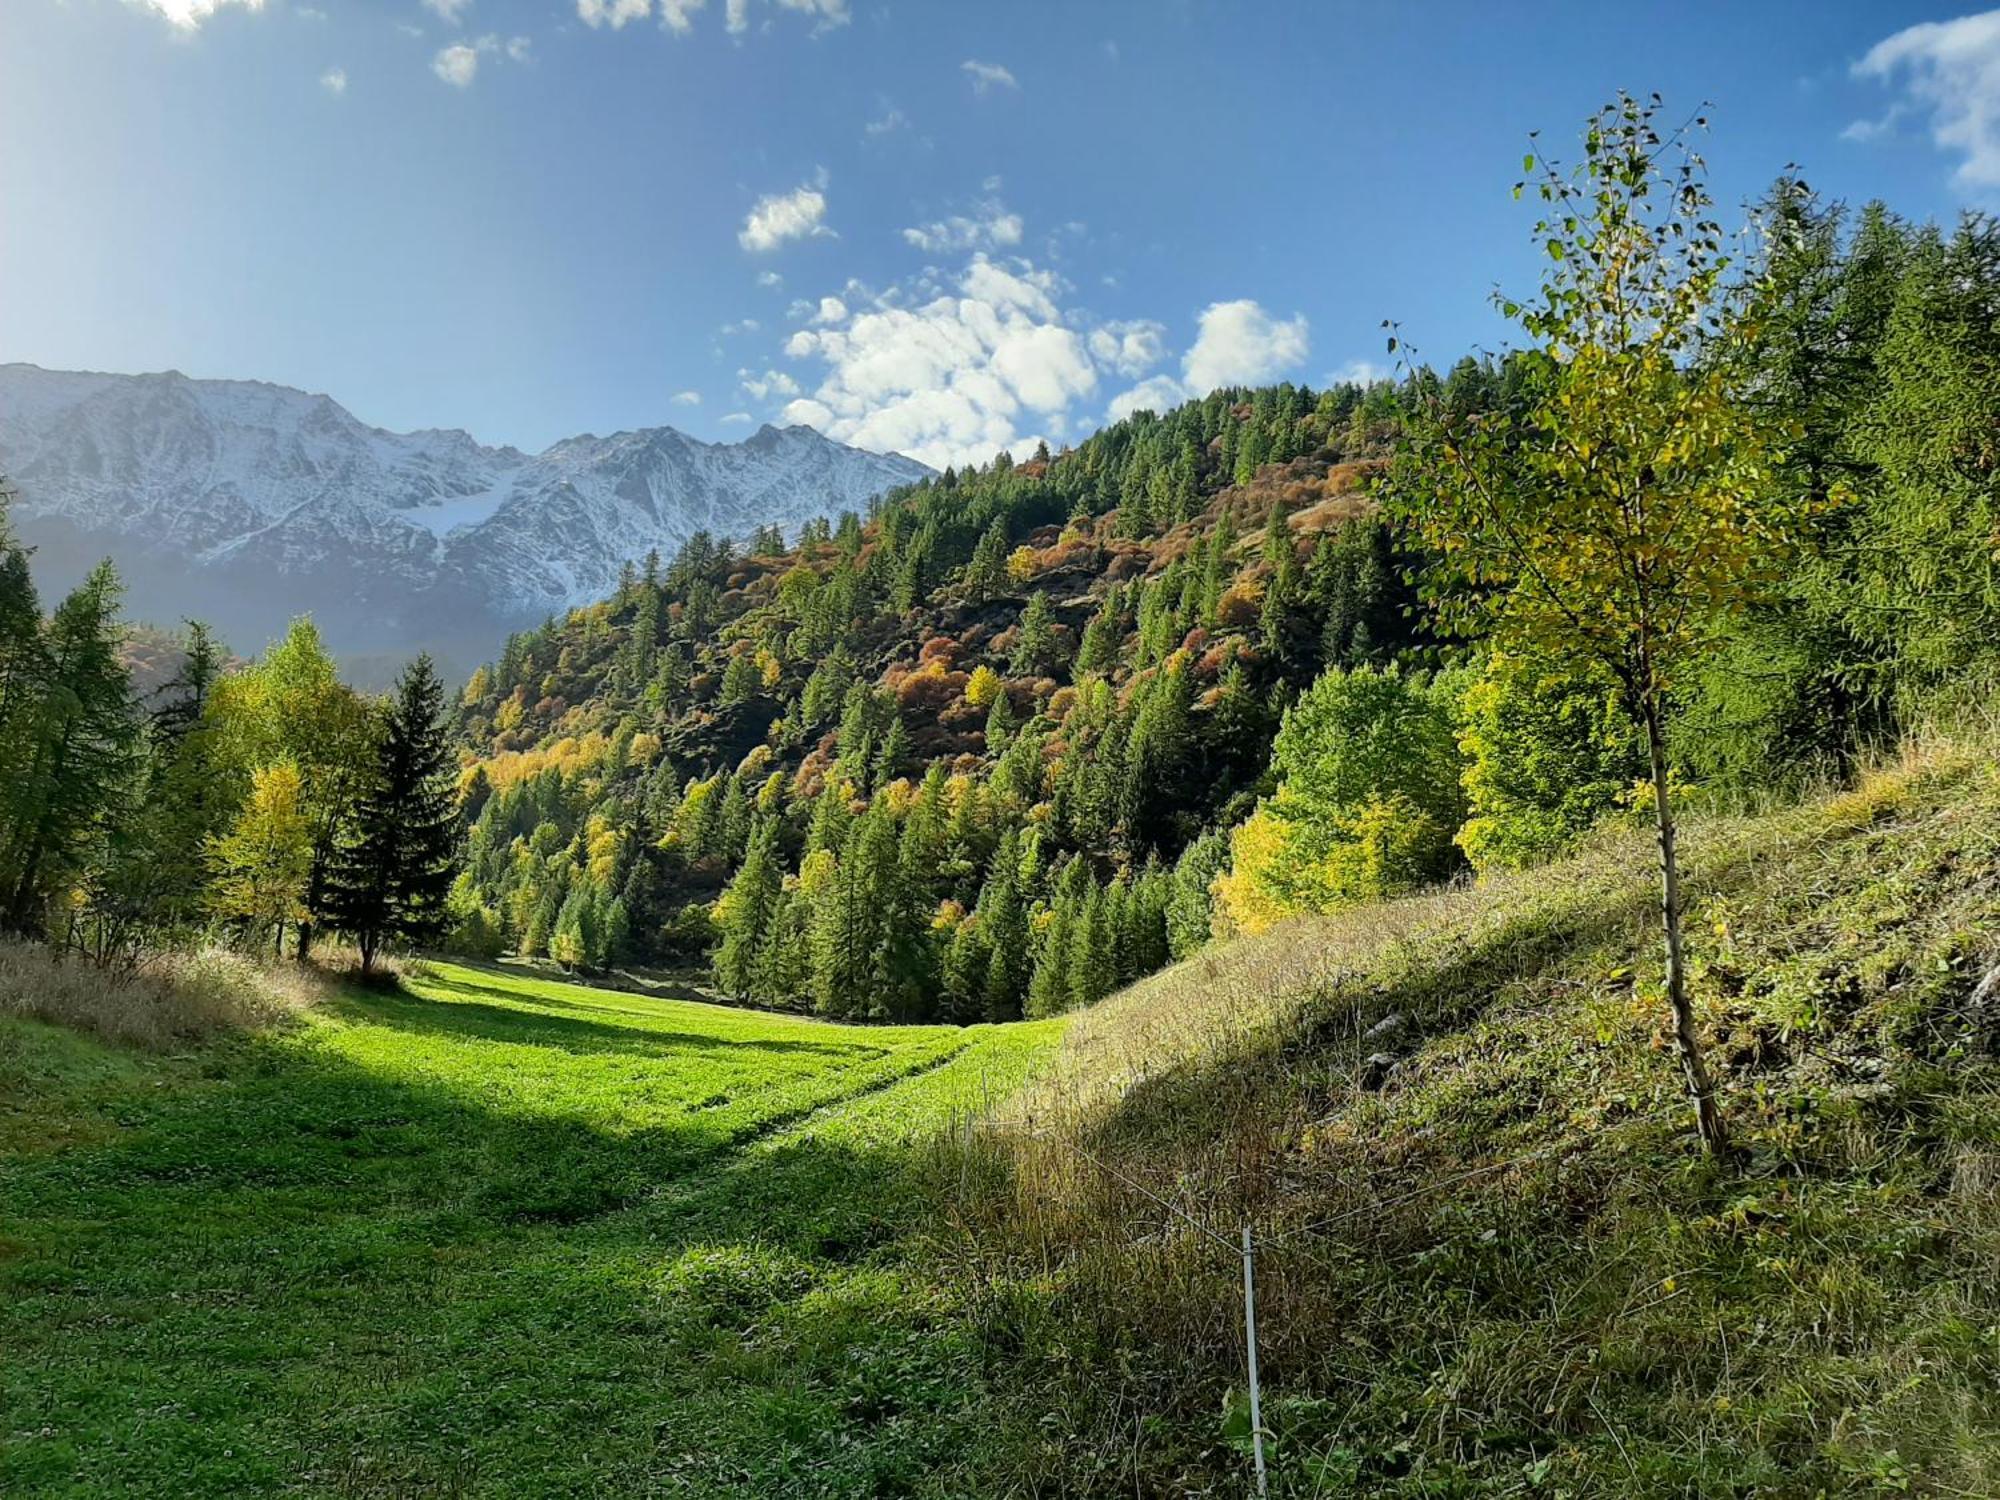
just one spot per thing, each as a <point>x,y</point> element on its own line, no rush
<point>1250,1339</point>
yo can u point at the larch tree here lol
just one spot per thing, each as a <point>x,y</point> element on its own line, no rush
<point>1622,510</point>
<point>261,864</point>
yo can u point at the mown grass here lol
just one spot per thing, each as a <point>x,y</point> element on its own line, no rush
<point>1508,1269</point>
<point>487,1236</point>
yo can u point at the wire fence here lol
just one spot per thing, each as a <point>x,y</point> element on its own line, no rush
<point>1250,1241</point>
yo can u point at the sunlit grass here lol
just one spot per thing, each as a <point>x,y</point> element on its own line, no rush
<point>445,1240</point>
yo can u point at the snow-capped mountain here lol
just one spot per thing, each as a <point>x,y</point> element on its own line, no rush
<point>245,503</point>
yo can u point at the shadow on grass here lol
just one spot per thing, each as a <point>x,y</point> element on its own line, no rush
<point>314,1237</point>
<point>408,1010</point>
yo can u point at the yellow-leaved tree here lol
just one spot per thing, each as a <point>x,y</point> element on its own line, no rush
<point>1618,505</point>
<point>262,863</point>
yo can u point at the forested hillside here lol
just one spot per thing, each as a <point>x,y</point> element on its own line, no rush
<point>1029,693</point>
<point>1025,732</point>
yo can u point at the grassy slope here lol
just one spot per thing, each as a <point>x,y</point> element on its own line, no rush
<point>499,1236</point>
<point>1508,1271</point>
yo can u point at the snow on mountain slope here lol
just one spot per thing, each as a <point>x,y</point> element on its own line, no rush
<point>246,502</point>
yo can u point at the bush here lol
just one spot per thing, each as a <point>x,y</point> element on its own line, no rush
<point>1549,753</point>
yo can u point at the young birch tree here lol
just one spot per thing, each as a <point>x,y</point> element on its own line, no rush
<point>1623,507</point>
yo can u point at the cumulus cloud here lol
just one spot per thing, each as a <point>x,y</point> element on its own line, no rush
<point>1241,344</point>
<point>741,325</point>
<point>989,227</point>
<point>449,11</point>
<point>189,14</point>
<point>949,371</point>
<point>1358,372</point>
<point>770,384</point>
<point>778,217</point>
<point>334,81</point>
<point>830,310</point>
<point>1161,393</point>
<point>1951,72</point>
<point>1238,343</point>
<point>686,398</point>
<point>738,418</point>
<point>987,76</point>
<point>770,279</point>
<point>887,124</point>
<point>1130,348</point>
<point>457,65</point>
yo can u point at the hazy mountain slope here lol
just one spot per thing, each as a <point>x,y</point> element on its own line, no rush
<point>245,503</point>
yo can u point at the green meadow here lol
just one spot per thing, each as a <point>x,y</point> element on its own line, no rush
<point>486,1235</point>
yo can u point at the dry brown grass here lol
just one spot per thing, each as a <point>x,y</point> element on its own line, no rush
<point>171,998</point>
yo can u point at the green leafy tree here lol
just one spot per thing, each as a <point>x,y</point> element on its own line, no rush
<point>1622,512</point>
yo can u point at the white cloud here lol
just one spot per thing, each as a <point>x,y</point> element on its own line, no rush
<point>678,15</point>
<point>457,65</point>
<point>771,383</point>
<point>987,76</point>
<point>741,325</point>
<point>888,124</point>
<point>334,81</point>
<point>1951,69</point>
<point>519,48</point>
<point>1238,344</point>
<point>990,227</point>
<point>613,13</point>
<point>449,11</point>
<point>1358,372</point>
<point>949,371</point>
<point>738,418</point>
<point>1160,394</point>
<point>1131,348</point>
<point>1241,344</point>
<point>189,14</point>
<point>830,310</point>
<point>770,279</point>
<point>686,398</point>
<point>779,217</point>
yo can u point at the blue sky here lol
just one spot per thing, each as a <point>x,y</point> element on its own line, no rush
<point>939,227</point>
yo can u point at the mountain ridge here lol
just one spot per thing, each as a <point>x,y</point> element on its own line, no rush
<point>246,502</point>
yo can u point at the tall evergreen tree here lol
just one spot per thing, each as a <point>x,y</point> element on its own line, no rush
<point>392,876</point>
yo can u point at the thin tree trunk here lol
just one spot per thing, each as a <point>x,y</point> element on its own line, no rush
<point>1708,1116</point>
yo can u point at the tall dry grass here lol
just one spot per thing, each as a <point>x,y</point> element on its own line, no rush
<point>168,999</point>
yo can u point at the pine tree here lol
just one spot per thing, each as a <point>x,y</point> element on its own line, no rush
<point>393,874</point>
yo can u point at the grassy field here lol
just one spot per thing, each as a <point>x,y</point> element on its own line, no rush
<point>502,1236</point>
<point>492,1235</point>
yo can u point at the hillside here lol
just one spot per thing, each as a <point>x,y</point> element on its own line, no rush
<point>1492,1259</point>
<point>1079,660</point>
<point>496,1236</point>
<point>244,504</point>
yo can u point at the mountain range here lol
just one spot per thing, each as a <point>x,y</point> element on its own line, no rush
<point>244,503</point>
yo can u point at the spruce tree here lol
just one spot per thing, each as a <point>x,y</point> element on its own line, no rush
<point>392,875</point>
